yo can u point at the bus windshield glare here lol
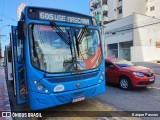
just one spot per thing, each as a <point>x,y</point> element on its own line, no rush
<point>51,53</point>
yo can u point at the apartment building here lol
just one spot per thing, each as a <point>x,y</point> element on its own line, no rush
<point>110,10</point>
<point>132,28</point>
<point>153,8</point>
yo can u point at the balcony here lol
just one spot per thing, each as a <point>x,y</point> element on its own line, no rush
<point>95,4</point>
<point>105,7</point>
<point>105,18</point>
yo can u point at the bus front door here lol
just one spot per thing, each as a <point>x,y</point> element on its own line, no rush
<point>18,67</point>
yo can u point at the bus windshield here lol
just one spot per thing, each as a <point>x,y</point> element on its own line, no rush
<point>51,53</point>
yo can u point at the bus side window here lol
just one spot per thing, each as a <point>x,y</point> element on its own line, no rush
<point>20,53</point>
<point>9,54</point>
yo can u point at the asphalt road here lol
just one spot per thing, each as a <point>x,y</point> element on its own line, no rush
<point>142,99</point>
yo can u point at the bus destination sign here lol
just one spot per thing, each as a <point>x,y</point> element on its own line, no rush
<point>63,18</point>
<point>60,15</point>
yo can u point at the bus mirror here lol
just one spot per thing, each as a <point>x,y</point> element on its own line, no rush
<point>21,30</point>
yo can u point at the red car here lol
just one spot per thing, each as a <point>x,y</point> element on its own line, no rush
<point>127,75</point>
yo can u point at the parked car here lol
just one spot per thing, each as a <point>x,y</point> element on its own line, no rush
<point>127,75</point>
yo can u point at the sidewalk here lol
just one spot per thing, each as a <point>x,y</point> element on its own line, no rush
<point>4,99</point>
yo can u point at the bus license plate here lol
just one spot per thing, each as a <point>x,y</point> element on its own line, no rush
<point>78,99</point>
<point>151,79</point>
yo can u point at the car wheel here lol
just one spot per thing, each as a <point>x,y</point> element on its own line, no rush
<point>125,83</point>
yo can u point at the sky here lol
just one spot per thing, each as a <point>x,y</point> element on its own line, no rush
<point>8,12</point>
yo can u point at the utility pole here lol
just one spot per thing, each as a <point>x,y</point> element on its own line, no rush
<point>102,28</point>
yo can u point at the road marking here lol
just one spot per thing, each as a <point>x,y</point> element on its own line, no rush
<point>154,88</point>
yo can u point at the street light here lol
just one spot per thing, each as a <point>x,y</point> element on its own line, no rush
<point>0,40</point>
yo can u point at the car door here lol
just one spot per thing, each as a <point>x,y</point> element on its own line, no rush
<point>111,72</point>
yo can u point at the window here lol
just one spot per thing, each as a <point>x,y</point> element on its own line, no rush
<point>105,13</point>
<point>104,2</point>
<point>120,0</point>
<point>152,8</point>
<point>120,10</point>
<point>9,54</point>
<point>108,64</point>
<point>20,53</point>
<point>51,52</point>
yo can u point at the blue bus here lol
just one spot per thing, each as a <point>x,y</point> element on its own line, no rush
<point>57,57</point>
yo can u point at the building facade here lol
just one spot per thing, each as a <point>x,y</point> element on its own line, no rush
<point>131,29</point>
<point>135,37</point>
<point>110,10</point>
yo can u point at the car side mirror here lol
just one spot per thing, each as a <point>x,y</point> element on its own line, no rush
<point>111,67</point>
<point>21,30</point>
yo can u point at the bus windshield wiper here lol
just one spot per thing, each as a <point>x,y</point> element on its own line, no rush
<point>63,36</point>
<point>77,46</point>
<point>82,34</point>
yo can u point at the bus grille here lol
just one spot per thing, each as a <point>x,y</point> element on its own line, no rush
<point>72,78</point>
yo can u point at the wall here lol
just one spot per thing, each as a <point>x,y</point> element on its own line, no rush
<point>144,31</point>
<point>119,31</point>
<point>147,30</point>
<point>112,12</point>
<point>145,35</point>
<point>119,24</point>
<point>130,6</point>
<point>144,53</point>
<point>156,4</point>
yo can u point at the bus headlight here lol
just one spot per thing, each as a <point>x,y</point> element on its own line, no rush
<point>40,87</point>
<point>46,91</point>
<point>35,82</point>
<point>101,79</point>
<point>103,73</point>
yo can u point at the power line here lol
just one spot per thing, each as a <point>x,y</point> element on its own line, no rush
<point>114,32</point>
<point>9,18</point>
<point>151,20</point>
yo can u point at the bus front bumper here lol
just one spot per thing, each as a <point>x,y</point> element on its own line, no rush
<point>39,101</point>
